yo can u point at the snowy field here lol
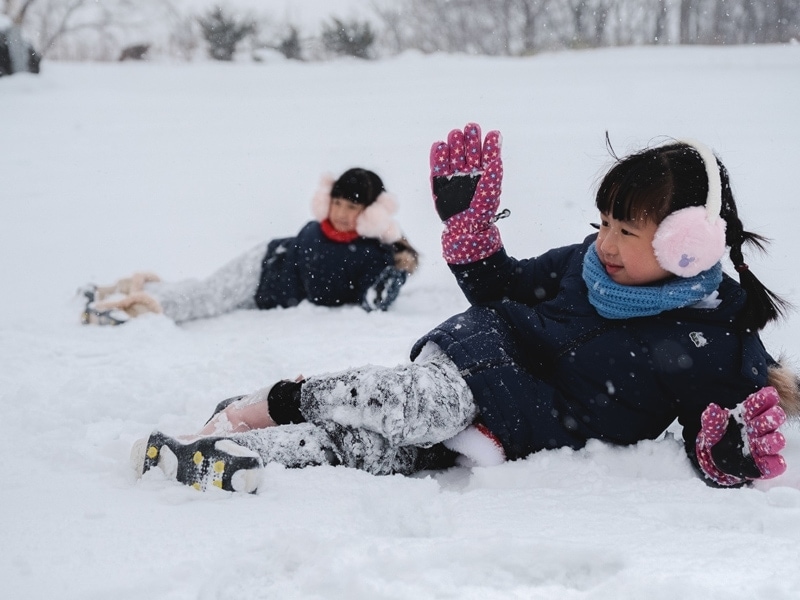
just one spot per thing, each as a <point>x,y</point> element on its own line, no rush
<point>111,168</point>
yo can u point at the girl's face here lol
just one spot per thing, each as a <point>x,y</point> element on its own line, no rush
<point>343,214</point>
<point>626,250</point>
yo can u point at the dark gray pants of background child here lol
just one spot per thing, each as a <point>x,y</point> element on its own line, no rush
<point>231,287</point>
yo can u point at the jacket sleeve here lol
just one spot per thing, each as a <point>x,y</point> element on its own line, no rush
<point>500,276</point>
<point>728,393</point>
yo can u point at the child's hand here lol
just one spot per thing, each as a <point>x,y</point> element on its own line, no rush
<point>738,445</point>
<point>384,289</point>
<point>406,258</point>
<point>466,181</point>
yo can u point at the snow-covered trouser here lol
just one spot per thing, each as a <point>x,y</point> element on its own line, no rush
<point>306,445</point>
<point>377,419</point>
<point>230,288</point>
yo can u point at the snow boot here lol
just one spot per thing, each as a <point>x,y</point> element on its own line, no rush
<point>205,462</point>
<point>88,291</point>
<point>94,316</point>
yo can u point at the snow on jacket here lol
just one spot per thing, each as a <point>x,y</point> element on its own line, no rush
<point>546,370</point>
<point>312,267</point>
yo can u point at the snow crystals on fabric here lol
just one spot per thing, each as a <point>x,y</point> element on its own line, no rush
<point>373,412</point>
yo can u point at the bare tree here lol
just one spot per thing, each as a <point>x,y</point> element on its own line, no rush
<point>782,22</point>
<point>100,29</point>
<point>660,27</point>
<point>394,23</point>
<point>184,38</point>
<point>17,9</point>
<point>85,28</point>
<point>532,13</point>
<point>739,21</point>
<point>690,26</point>
<point>469,26</point>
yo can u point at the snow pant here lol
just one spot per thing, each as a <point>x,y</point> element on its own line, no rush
<point>230,288</point>
<point>377,419</point>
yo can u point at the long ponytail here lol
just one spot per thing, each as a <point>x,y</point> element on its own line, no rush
<point>762,305</point>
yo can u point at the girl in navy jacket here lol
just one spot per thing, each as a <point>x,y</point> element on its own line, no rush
<point>613,339</point>
<point>352,253</point>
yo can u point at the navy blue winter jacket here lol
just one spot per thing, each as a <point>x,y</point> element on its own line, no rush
<point>546,370</point>
<point>312,267</point>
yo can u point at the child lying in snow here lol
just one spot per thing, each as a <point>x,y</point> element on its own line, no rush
<point>611,338</point>
<point>353,253</point>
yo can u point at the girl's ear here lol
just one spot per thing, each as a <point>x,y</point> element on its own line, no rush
<point>321,202</point>
<point>376,221</point>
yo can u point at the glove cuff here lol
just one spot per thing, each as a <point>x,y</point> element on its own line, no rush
<point>727,459</point>
<point>461,246</point>
<point>709,469</point>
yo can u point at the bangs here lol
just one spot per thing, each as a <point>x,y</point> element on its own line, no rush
<point>632,203</point>
<point>637,190</point>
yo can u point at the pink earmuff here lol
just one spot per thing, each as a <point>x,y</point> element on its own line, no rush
<point>321,201</point>
<point>692,240</point>
<point>377,221</point>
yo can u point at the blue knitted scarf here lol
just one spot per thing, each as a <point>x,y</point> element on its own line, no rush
<point>615,301</point>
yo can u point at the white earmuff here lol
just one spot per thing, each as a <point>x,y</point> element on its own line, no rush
<point>692,240</point>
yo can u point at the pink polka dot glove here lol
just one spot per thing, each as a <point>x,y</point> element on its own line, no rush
<point>466,179</point>
<point>741,444</point>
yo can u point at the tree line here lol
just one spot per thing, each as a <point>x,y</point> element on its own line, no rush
<point>118,29</point>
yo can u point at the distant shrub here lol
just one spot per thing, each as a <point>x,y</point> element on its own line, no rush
<point>223,33</point>
<point>135,52</point>
<point>290,46</point>
<point>353,38</point>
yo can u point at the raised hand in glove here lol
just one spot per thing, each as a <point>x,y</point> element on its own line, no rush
<point>738,445</point>
<point>466,180</point>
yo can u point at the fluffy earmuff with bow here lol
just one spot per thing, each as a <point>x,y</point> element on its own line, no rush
<point>692,240</point>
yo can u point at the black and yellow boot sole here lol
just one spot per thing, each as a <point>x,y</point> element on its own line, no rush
<point>204,463</point>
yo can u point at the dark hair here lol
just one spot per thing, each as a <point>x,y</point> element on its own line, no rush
<point>358,185</point>
<point>655,182</point>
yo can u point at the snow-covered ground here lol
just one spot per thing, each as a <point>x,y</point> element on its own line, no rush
<point>112,168</point>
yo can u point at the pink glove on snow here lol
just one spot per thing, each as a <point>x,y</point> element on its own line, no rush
<point>466,181</point>
<point>742,444</point>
